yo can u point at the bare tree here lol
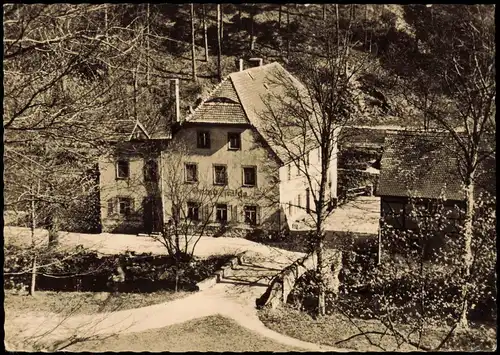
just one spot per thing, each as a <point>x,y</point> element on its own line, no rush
<point>315,114</point>
<point>252,25</point>
<point>457,94</point>
<point>205,37</point>
<point>415,297</point>
<point>193,48</point>
<point>192,209</point>
<point>60,86</point>
<point>219,44</point>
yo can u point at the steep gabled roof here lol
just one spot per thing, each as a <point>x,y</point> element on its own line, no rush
<point>128,129</point>
<point>139,132</point>
<point>264,88</point>
<point>222,105</point>
<point>245,98</point>
<point>225,91</point>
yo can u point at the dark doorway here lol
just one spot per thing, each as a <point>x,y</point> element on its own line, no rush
<point>152,214</point>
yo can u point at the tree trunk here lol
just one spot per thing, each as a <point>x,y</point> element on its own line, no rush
<point>33,266</point>
<point>193,49</point>
<point>221,34</point>
<point>148,82</point>
<point>366,24</point>
<point>321,275</point>
<point>33,275</point>
<point>288,31</point>
<point>320,206</point>
<point>219,72</point>
<point>467,252</point>
<point>106,20</point>
<point>205,37</point>
<point>279,16</point>
<point>252,34</point>
<point>136,89</point>
<point>337,25</point>
<point>176,279</point>
<point>53,230</point>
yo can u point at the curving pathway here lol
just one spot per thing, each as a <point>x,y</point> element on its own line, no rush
<point>234,297</point>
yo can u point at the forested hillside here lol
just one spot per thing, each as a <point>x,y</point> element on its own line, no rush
<point>71,72</point>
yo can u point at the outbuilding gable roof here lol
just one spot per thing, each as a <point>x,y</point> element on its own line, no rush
<point>424,165</point>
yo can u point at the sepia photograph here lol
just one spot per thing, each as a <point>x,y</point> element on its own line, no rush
<point>249,177</point>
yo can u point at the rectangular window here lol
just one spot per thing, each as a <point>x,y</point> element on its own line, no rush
<point>220,175</point>
<point>306,158</point>
<point>298,167</point>
<point>249,176</point>
<point>394,213</point>
<point>150,171</point>
<point>251,215</point>
<point>193,211</point>
<point>204,139</point>
<point>234,141</point>
<point>122,169</point>
<point>124,206</point>
<point>221,213</point>
<point>299,201</point>
<point>289,172</point>
<point>191,172</point>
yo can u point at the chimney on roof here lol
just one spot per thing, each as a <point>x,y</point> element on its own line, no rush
<point>174,87</point>
<point>257,62</point>
<point>240,64</point>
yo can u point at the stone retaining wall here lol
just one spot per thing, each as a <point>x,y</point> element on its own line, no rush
<point>281,286</point>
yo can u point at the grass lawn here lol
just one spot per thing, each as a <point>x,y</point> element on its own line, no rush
<point>335,329</point>
<point>82,302</point>
<point>213,333</point>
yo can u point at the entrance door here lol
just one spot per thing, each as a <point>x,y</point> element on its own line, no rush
<point>148,214</point>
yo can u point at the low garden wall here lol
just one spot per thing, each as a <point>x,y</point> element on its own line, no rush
<point>225,271</point>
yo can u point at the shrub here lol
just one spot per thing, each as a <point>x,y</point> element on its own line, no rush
<point>89,271</point>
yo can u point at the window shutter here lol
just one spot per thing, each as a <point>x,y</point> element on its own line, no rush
<point>234,214</point>
<point>132,209</point>
<point>111,206</point>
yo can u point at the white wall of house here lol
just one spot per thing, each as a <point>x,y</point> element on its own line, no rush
<point>294,185</point>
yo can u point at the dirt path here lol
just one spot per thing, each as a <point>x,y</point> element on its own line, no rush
<point>234,298</point>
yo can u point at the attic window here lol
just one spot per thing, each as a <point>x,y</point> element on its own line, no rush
<point>267,87</point>
<point>250,75</point>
